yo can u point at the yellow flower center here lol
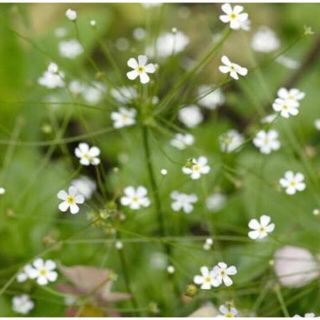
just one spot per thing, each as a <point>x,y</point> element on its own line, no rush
<point>233,16</point>
<point>207,279</point>
<point>43,272</point>
<point>140,69</point>
<point>135,199</point>
<point>71,200</point>
<point>196,168</point>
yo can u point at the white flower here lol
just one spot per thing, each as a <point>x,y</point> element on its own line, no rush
<point>265,40</point>
<point>23,275</point>
<point>317,124</point>
<point>208,244</point>
<point>190,116</point>
<point>292,182</point>
<point>22,304</point>
<point>140,69</point>
<point>222,272</point>
<point>181,141</point>
<point>139,33</point>
<point>2,190</point>
<point>52,78</point>
<point>124,117</point>
<point>231,141</point>
<point>168,44</point>
<point>71,14</point>
<point>87,155</point>
<point>234,16</point>
<point>93,93</point>
<point>206,280</point>
<point>70,48</point>
<point>216,202</point>
<point>43,271</point>
<point>71,199</point>
<point>124,95</point>
<point>228,311</point>
<point>306,315</point>
<point>135,198</point>
<point>287,103</point>
<point>118,245</point>
<point>288,62</point>
<point>76,87</point>
<point>183,201</point>
<point>93,23</point>
<point>164,172</point>
<point>269,118</point>
<point>267,141</point>
<point>232,68</point>
<point>260,229</point>
<point>171,269</point>
<point>210,100</point>
<point>85,186</point>
<point>196,168</point>
<point>295,267</point>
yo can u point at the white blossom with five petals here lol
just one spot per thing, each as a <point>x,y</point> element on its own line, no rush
<point>140,69</point>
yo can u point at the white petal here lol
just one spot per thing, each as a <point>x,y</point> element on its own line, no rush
<point>63,206</point>
<point>132,74</point>
<point>74,208</point>
<point>142,60</point>
<point>144,78</point>
<point>62,195</point>
<point>132,63</point>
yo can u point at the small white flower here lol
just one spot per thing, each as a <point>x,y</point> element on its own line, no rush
<point>71,14</point>
<point>265,40</point>
<point>135,198</point>
<point>291,94</point>
<point>85,186</point>
<point>183,201</point>
<point>76,87</point>
<point>228,311</point>
<point>232,68</point>
<point>181,141</point>
<point>317,124</point>
<point>164,172</point>
<point>231,141</point>
<point>119,245</point>
<point>269,118</point>
<point>207,279</point>
<point>288,62</point>
<point>222,273</point>
<point>124,117</point>
<point>71,199</point>
<point>124,95</point>
<point>306,315</point>
<point>208,244</point>
<point>171,269</point>
<point>2,190</point>
<point>260,229</point>
<point>93,93</point>
<point>93,23</point>
<point>43,271</point>
<point>167,44</point>
<point>196,168</point>
<point>190,116</point>
<point>292,182</point>
<point>234,16</point>
<point>216,202</point>
<point>267,141</point>
<point>140,69</point>
<point>52,78</point>
<point>210,100</point>
<point>70,49</point>
<point>87,155</point>
<point>22,304</point>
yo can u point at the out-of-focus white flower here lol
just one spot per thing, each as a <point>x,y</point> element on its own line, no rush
<point>234,16</point>
<point>261,228</point>
<point>2,190</point>
<point>233,69</point>
<point>267,141</point>
<point>140,69</point>
<point>290,94</point>
<point>164,172</point>
<point>93,93</point>
<point>139,33</point>
<point>181,141</point>
<point>135,198</point>
<point>228,311</point>
<point>210,100</point>
<point>22,304</point>
<point>295,267</point>
<point>222,274</point>
<point>183,201</point>
<point>118,245</point>
<point>230,141</point>
<point>317,124</point>
<point>190,116</point>
<point>43,271</point>
<point>124,95</point>
<point>123,117</point>
<point>85,186</point>
<point>93,23</point>
<point>269,118</point>
<point>52,78</point>
<point>70,48</point>
<point>76,87</point>
<point>168,44</point>
<point>288,62</point>
<point>87,155</point>
<point>208,244</point>
<point>292,182</point>
<point>216,201</point>
<point>70,200</point>
<point>196,167</point>
<point>171,269</point>
<point>207,279</point>
<point>265,40</point>
<point>71,14</point>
